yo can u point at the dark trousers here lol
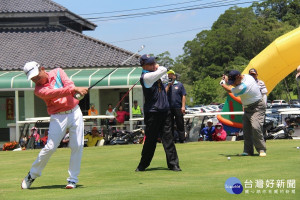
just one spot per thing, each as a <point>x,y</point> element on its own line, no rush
<point>158,122</point>
<point>177,117</point>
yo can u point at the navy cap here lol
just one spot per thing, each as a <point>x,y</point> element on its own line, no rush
<point>252,71</point>
<point>147,59</point>
<point>232,76</point>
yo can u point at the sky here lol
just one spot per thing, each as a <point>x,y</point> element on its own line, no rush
<point>160,32</point>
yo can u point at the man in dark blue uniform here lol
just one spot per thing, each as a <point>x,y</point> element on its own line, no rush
<point>156,115</point>
<point>176,96</point>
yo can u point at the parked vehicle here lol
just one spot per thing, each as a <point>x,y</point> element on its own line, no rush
<point>279,102</point>
<point>194,111</point>
<point>215,108</point>
<point>294,102</point>
<point>280,106</point>
<point>189,111</point>
<point>199,110</point>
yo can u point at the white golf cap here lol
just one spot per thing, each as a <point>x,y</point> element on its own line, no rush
<point>210,120</point>
<point>31,69</point>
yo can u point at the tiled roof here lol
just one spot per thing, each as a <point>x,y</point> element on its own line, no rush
<point>54,47</point>
<point>14,6</point>
<point>29,8</point>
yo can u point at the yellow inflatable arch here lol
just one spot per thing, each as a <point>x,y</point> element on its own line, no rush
<point>278,59</point>
<point>273,64</point>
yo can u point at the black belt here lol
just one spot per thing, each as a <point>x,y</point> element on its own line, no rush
<point>252,104</point>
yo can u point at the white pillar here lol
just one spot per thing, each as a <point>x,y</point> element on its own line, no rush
<point>130,111</point>
<point>17,115</point>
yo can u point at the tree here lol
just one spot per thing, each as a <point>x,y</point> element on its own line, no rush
<point>236,33</point>
<point>239,63</point>
<point>165,60</point>
<point>282,10</point>
<point>206,91</point>
<point>182,70</point>
<point>234,39</point>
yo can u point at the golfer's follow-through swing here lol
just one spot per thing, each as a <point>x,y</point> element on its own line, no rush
<point>58,92</point>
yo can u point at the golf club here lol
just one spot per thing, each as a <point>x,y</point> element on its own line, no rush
<point>125,95</point>
<point>79,96</point>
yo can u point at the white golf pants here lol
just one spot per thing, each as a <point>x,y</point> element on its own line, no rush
<point>57,130</point>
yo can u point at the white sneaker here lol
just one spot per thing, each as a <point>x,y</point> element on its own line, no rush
<point>71,185</point>
<point>262,153</point>
<point>27,181</point>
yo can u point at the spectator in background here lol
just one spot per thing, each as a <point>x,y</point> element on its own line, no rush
<point>121,115</point>
<point>35,134</point>
<point>207,131</point>
<point>92,111</point>
<point>290,122</point>
<point>45,137</point>
<point>111,112</point>
<point>260,83</point>
<point>136,110</point>
<point>93,138</point>
<point>23,142</point>
<point>219,134</point>
<point>176,97</point>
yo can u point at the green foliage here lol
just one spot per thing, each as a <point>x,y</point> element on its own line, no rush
<point>235,38</point>
<point>286,92</point>
<point>239,63</point>
<point>165,60</point>
<point>282,10</point>
<point>206,91</point>
<point>189,89</point>
<point>182,70</point>
<point>237,33</point>
<point>278,92</point>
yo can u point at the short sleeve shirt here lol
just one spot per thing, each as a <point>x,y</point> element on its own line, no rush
<point>248,90</point>
<point>262,87</point>
<point>175,93</point>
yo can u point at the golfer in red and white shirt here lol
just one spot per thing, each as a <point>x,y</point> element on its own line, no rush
<point>58,91</point>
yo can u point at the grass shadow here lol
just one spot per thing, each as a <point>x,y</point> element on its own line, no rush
<point>157,168</point>
<point>236,155</point>
<point>53,187</point>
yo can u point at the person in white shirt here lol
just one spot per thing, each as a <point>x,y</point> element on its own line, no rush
<point>254,110</point>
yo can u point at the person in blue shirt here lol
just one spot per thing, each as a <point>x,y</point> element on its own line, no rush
<point>207,131</point>
<point>176,97</point>
<point>157,116</point>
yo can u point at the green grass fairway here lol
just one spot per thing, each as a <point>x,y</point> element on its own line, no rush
<point>108,173</point>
